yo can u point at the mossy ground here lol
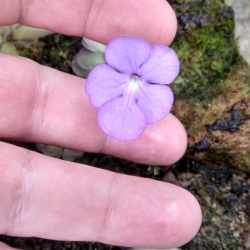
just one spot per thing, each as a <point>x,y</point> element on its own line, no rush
<point>55,51</point>
<point>212,91</point>
<point>206,48</point>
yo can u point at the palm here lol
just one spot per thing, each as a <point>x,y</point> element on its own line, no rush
<point>50,198</point>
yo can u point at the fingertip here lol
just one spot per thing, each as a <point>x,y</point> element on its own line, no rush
<point>189,217</point>
<point>165,141</point>
<point>180,217</point>
<point>165,215</point>
<point>162,143</point>
<point>154,21</point>
<point>102,21</point>
<point>176,140</point>
<point>168,29</point>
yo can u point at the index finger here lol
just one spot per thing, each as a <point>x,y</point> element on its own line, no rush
<point>100,20</point>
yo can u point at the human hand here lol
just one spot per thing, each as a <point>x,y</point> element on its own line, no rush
<point>50,198</point>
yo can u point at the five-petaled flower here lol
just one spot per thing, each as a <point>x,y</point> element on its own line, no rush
<point>130,90</point>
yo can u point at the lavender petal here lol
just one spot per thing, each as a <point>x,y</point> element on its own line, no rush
<point>127,53</point>
<point>162,67</point>
<point>120,121</point>
<point>155,101</point>
<point>104,84</point>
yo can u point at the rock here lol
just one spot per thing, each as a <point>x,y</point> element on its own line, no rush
<point>230,200</point>
<point>212,90</point>
<point>242,25</point>
<point>170,177</point>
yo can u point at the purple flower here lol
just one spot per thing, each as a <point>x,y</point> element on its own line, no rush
<point>130,90</point>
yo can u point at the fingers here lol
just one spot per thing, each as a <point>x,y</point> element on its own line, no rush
<point>99,20</point>
<point>50,198</point>
<point>5,247</point>
<point>47,107</point>
<point>43,105</point>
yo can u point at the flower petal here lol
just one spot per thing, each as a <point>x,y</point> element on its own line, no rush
<point>104,84</point>
<point>127,53</point>
<point>121,121</point>
<point>162,67</point>
<point>155,101</point>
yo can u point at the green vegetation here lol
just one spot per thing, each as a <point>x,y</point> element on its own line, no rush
<point>56,51</point>
<point>207,49</point>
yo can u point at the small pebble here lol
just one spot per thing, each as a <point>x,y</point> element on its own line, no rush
<point>247,240</point>
<point>231,200</point>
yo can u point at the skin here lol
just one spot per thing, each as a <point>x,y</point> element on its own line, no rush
<point>50,198</point>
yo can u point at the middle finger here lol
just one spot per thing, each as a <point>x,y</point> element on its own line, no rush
<point>44,105</point>
<point>50,198</point>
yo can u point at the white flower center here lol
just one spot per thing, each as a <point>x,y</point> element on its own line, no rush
<point>133,83</point>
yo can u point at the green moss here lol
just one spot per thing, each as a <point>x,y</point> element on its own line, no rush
<point>56,51</point>
<point>206,52</point>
